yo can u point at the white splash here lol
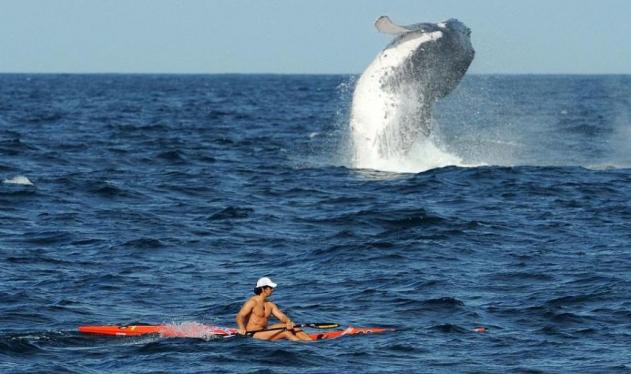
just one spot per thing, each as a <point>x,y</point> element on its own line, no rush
<point>20,180</point>
<point>424,155</point>
<point>196,330</point>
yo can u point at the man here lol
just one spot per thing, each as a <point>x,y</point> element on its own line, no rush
<point>254,315</point>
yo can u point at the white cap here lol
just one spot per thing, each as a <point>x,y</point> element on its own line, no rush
<point>265,282</point>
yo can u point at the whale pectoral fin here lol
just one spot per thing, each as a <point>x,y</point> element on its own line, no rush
<point>385,25</point>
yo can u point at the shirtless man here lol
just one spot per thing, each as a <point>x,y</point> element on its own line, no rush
<point>256,311</point>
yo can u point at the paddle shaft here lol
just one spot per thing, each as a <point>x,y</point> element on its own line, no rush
<point>312,325</point>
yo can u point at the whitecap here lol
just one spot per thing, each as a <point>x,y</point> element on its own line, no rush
<point>20,179</point>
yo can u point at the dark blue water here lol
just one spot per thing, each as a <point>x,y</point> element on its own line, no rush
<point>163,198</point>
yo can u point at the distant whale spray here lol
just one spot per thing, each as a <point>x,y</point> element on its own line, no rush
<point>393,99</point>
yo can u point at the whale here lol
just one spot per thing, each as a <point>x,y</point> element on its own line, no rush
<point>393,98</point>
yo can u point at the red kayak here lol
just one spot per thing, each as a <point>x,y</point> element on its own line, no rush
<point>197,330</point>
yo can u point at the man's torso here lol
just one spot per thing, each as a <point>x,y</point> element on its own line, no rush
<point>257,320</point>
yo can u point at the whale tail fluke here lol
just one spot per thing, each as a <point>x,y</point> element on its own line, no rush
<point>385,25</point>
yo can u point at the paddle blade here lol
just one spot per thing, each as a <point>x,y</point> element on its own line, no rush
<point>322,325</point>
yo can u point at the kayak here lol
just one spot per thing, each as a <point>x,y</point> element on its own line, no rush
<point>194,330</point>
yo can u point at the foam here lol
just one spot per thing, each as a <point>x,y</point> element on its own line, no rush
<point>424,155</point>
<point>196,330</point>
<point>19,180</point>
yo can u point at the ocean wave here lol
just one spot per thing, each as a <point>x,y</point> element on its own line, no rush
<point>47,237</point>
<point>174,156</point>
<point>19,180</point>
<point>230,213</point>
<point>144,243</point>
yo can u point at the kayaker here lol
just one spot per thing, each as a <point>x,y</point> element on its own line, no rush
<point>254,315</point>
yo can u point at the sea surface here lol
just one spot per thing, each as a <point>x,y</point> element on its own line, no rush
<point>163,198</point>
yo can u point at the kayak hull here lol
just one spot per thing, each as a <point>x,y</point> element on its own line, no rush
<point>200,330</point>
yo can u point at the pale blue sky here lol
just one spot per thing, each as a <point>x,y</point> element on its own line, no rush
<point>316,36</point>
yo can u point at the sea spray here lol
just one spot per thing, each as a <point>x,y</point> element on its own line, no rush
<point>19,180</point>
<point>195,330</point>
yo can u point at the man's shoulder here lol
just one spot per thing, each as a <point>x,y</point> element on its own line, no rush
<point>251,300</point>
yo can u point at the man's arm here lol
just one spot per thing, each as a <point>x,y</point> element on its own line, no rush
<point>282,317</point>
<point>245,311</point>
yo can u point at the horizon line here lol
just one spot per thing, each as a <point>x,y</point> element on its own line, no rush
<point>296,74</point>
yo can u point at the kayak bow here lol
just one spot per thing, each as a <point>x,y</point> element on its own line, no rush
<point>350,330</point>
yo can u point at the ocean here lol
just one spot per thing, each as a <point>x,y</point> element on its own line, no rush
<point>163,198</point>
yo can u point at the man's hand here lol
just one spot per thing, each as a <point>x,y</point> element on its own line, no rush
<point>241,331</point>
<point>289,325</point>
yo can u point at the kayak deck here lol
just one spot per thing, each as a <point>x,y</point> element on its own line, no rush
<point>195,330</point>
<point>180,330</point>
<point>350,330</point>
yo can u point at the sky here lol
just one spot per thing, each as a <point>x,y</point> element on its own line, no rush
<point>299,36</point>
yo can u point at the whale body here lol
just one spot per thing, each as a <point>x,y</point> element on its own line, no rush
<point>393,98</point>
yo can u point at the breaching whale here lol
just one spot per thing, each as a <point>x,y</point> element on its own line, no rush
<point>393,98</point>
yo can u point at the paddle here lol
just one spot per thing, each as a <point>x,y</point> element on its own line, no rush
<point>321,325</point>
